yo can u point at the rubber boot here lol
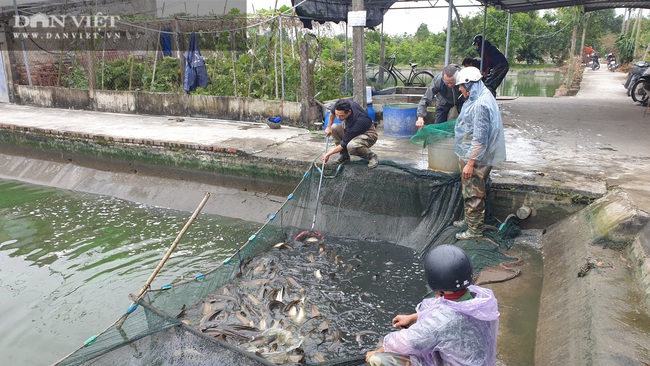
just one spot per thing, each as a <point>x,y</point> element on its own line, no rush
<point>366,153</point>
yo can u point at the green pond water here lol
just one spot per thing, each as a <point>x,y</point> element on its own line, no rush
<point>530,85</point>
<point>68,262</point>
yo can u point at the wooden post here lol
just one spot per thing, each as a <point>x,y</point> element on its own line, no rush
<point>179,53</point>
<point>359,63</point>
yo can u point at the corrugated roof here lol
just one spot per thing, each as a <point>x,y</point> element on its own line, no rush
<point>516,6</point>
<point>336,10</point>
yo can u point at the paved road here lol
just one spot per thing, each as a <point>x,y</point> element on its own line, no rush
<point>594,141</point>
<point>591,142</point>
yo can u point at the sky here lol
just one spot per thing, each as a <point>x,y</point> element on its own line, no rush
<point>400,21</point>
<point>406,17</point>
<point>396,22</point>
<point>403,17</point>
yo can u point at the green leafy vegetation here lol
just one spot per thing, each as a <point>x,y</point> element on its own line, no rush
<point>264,62</point>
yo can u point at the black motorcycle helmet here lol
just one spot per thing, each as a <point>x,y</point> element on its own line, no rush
<point>477,38</point>
<point>447,268</point>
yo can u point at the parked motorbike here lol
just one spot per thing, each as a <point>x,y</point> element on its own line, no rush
<point>641,88</point>
<point>595,65</point>
<point>611,62</point>
<point>635,73</point>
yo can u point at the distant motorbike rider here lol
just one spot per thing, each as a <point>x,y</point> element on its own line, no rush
<point>611,61</point>
<point>594,58</point>
<point>588,51</point>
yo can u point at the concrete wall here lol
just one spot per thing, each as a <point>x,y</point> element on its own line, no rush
<point>166,104</point>
<point>152,190</point>
<point>591,308</point>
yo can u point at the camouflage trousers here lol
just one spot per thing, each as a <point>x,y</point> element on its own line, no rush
<point>360,145</point>
<point>389,359</point>
<point>474,196</point>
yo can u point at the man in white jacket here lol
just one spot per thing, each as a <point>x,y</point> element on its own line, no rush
<point>456,327</point>
<point>480,144</point>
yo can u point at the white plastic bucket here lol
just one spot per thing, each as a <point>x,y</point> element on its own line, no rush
<point>442,157</point>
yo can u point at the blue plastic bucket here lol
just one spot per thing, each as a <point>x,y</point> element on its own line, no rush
<point>399,120</point>
<point>371,112</point>
<point>327,120</point>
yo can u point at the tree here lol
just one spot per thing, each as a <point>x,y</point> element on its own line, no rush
<point>422,33</point>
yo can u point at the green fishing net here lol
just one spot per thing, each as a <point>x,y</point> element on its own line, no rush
<point>430,134</point>
<point>392,204</point>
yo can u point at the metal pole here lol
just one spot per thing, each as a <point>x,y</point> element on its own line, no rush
<point>22,41</point>
<point>281,56</point>
<point>503,85</point>
<point>449,15</point>
<point>347,92</point>
<point>359,61</point>
<point>483,40</point>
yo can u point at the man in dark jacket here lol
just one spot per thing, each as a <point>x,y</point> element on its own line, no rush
<point>355,135</point>
<point>447,96</point>
<point>495,64</point>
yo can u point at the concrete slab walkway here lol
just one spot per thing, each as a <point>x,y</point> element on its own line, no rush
<point>591,142</point>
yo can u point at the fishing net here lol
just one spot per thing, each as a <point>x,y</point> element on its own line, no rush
<point>249,308</point>
<point>431,134</point>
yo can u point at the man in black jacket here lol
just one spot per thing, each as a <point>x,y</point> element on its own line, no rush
<point>354,136</point>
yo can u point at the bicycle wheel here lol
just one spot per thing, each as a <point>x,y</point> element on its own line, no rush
<point>381,80</point>
<point>422,79</point>
<point>638,93</point>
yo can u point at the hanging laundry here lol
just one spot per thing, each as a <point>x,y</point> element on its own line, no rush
<point>195,72</point>
<point>166,41</point>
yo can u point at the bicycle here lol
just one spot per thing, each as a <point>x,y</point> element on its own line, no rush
<point>384,79</point>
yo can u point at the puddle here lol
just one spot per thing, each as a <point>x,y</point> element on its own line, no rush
<point>519,306</point>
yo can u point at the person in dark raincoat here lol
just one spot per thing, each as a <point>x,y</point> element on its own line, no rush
<point>195,72</point>
<point>495,64</point>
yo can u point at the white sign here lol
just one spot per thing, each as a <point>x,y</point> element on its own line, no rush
<point>357,18</point>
